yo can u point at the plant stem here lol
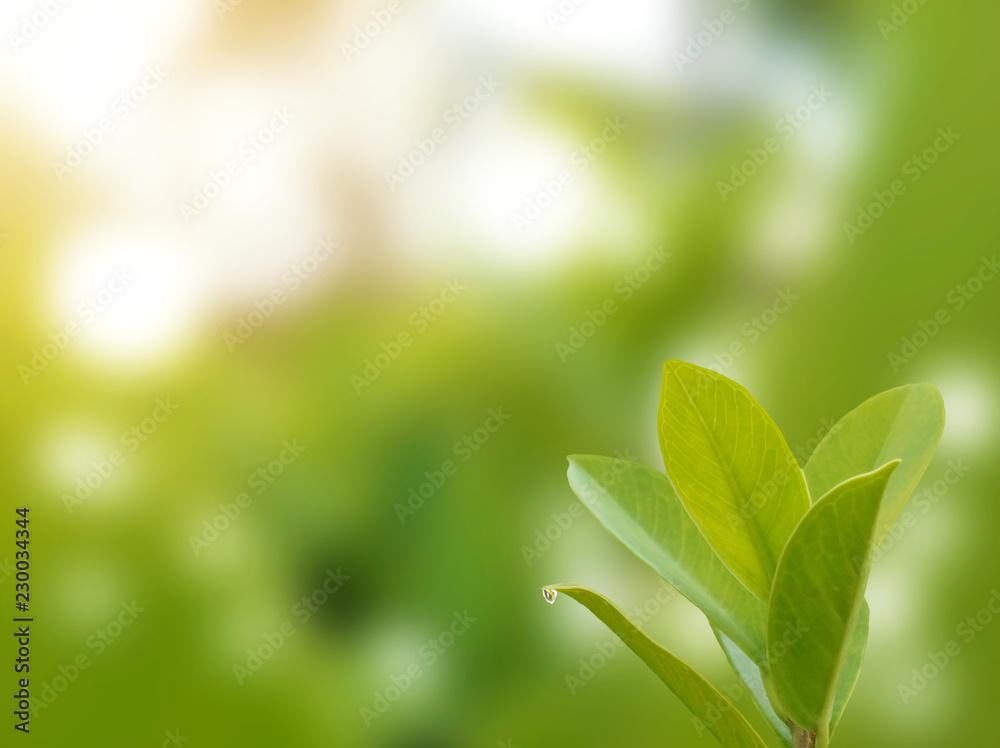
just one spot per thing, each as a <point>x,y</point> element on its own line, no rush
<point>802,738</point>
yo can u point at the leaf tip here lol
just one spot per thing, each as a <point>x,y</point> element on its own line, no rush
<point>889,467</point>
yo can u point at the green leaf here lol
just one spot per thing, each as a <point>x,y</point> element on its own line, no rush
<point>853,660</point>
<point>731,467</point>
<point>750,674</point>
<point>818,597</point>
<point>717,714</point>
<point>900,424</point>
<point>639,507</point>
<point>753,678</point>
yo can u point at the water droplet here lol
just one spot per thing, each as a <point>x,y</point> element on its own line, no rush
<point>549,595</point>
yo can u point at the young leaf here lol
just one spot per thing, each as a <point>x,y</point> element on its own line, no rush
<point>853,659</point>
<point>639,507</point>
<point>818,597</point>
<point>751,675</point>
<point>717,714</point>
<point>731,467</point>
<point>900,424</point>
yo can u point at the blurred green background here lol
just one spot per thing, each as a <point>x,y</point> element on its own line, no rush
<point>440,597</point>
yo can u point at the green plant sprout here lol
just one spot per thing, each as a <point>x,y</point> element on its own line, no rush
<point>776,556</point>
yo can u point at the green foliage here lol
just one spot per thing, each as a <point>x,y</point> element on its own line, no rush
<point>752,676</point>
<point>705,702</point>
<point>900,424</point>
<point>732,469</point>
<point>639,506</point>
<point>776,557</point>
<point>818,594</point>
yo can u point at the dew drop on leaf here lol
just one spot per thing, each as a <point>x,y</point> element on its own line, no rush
<point>549,595</point>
